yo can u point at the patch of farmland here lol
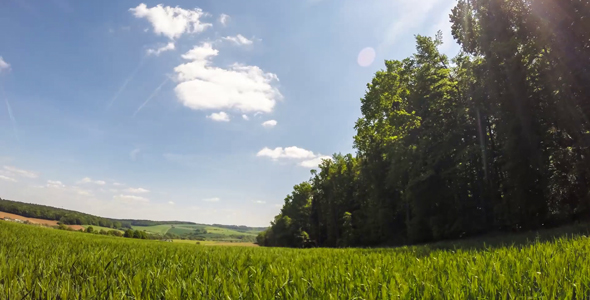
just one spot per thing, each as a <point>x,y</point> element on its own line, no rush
<point>35,221</point>
<point>156,229</point>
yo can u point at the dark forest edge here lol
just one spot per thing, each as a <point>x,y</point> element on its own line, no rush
<point>495,140</point>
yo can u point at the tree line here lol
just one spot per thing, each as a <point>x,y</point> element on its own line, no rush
<point>71,217</point>
<point>495,139</point>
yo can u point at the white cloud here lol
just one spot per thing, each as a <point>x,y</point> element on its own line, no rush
<point>306,158</point>
<point>171,202</point>
<point>172,22</point>
<point>240,87</point>
<point>133,154</point>
<point>89,180</point>
<point>20,172</point>
<point>156,52</point>
<point>131,198</point>
<point>314,162</point>
<point>270,123</point>
<point>55,184</point>
<point>245,117</point>
<point>219,117</point>
<point>6,178</point>
<point>212,199</point>
<point>4,66</point>
<point>117,184</point>
<point>137,190</point>
<point>260,202</point>
<point>288,152</point>
<point>238,40</point>
<point>224,19</point>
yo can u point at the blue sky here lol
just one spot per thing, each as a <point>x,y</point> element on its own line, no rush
<point>205,111</point>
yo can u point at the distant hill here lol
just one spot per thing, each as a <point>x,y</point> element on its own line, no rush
<point>71,217</point>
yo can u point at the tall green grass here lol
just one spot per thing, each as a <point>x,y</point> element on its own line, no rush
<point>39,263</point>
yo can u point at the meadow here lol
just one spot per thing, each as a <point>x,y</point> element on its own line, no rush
<point>42,263</point>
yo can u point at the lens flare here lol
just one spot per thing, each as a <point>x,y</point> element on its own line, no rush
<point>366,57</point>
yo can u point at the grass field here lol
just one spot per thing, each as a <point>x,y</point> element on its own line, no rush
<point>39,263</point>
<point>156,229</point>
<point>213,233</point>
<point>215,243</point>
<point>98,228</point>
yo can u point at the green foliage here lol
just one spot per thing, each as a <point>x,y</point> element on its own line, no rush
<point>90,229</point>
<point>55,264</point>
<point>496,139</point>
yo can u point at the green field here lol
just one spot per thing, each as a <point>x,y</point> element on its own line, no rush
<point>156,229</point>
<point>98,228</point>
<point>213,233</point>
<point>39,263</point>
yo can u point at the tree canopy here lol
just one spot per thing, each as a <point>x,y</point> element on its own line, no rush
<point>496,138</point>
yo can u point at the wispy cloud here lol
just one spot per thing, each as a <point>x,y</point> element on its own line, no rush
<point>224,19</point>
<point>131,198</point>
<point>9,109</point>
<point>125,83</point>
<point>4,66</point>
<point>212,199</point>
<point>21,173</point>
<point>6,178</point>
<point>260,202</point>
<point>133,154</point>
<point>239,40</point>
<point>55,184</point>
<point>245,117</point>
<point>86,180</point>
<point>168,47</point>
<point>152,95</point>
<point>137,190</point>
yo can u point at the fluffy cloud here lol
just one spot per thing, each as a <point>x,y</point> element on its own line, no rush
<point>4,66</point>
<point>239,87</point>
<point>219,117</point>
<point>167,47</point>
<point>172,22</point>
<point>131,198</point>
<point>224,19</point>
<point>238,40</point>
<point>270,123</point>
<point>245,117</point>
<point>137,190</point>
<point>20,172</point>
<point>314,162</point>
<point>89,180</point>
<point>307,158</point>
<point>212,199</point>
<point>55,184</point>
<point>6,178</point>
<point>288,152</point>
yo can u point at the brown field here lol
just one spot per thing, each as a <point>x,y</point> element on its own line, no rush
<point>36,221</point>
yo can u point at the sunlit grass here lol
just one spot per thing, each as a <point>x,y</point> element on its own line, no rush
<point>41,263</point>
